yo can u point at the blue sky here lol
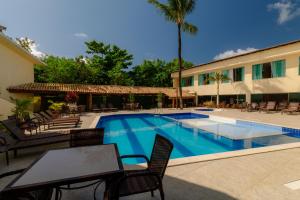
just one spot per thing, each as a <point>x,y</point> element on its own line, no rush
<point>60,27</point>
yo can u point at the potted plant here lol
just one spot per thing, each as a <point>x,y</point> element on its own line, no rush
<point>131,100</point>
<point>56,107</point>
<point>71,98</point>
<point>21,109</point>
<point>160,97</point>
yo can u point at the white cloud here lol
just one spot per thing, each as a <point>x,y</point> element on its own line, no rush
<point>230,53</point>
<point>36,52</point>
<point>34,49</point>
<point>81,35</point>
<point>287,10</point>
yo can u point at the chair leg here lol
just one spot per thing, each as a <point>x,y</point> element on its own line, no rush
<point>152,193</point>
<point>7,157</point>
<point>161,191</point>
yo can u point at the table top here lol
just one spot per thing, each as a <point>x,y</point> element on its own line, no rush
<point>70,165</point>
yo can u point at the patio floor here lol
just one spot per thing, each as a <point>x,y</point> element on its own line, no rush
<point>289,120</point>
<point>259,176</point>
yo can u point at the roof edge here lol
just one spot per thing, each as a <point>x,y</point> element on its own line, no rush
<point>244,54</point>
<point>22,51</point>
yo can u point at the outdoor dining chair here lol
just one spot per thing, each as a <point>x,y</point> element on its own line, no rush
<point>86,137</point>
<point>145,180</point>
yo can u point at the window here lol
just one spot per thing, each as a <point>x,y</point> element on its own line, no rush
<point>187,81</point>
<point>268,70</point>
<point>204,79</point>
<point>225,73</point>
<point>238,74</point>
<point>257,72</point>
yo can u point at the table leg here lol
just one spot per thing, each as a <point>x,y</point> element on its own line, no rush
<point>57,194</point>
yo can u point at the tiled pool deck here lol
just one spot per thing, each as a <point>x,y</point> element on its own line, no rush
<point>255,176</point>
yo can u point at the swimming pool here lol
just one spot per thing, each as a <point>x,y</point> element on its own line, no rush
<point>134,134</point>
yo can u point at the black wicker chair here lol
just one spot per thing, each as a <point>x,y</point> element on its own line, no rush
<point>86,137</point>
<point>43,194</point>
<point>146,180</point>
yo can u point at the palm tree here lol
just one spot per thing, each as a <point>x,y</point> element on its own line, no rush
<point>218,77</point>
<point>176,11</point>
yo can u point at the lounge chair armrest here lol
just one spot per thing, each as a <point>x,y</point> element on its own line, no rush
<point>136,156</point>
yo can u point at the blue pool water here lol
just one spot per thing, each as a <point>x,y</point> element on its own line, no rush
<point>135,133</point>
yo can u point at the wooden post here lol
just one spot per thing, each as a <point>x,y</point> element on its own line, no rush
<point>173,102</point>
<point>90,101</point>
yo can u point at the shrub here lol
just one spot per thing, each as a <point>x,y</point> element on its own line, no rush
<point>56,106</point>
<point>71,97</point>
<point>209,104</point>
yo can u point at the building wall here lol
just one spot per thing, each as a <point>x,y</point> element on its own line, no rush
<point>14,70</point>
<point>289,83</point>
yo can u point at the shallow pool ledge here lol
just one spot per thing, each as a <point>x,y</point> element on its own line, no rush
<point>231,154</point>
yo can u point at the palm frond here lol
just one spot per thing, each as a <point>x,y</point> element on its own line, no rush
<point>164,9</point>
<point>190,5</point>
<point>190,28</point>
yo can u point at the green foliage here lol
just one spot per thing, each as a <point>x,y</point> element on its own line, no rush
<point>156,73</point>
<point>106,65</point>
<point>21,107</point>
<point>56,106</point>
<point>160,97</point>
<point>104,100</point>
<point>131,98</point>
<point>219,77</point>
<point>111,61</point>
<point>64,70</point>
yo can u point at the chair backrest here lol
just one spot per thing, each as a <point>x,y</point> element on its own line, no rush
<point>262,104</point>
<point>86,137</point>
<point>160,156</point>
<point>271,104</point>
<point>45,115</point>
<point>11,126</point>
<point>293,105</point>
<point>282,104</point>
<point>39,117</point>
<point>49,112</point>
<point>254,105</point>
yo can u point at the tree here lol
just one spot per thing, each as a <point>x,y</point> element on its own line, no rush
<point>176,12</point>
<point>218,77</point>
<point>105,65</point>
<point>111,61</point>
<point>156,73</point>
<point>26,43</point>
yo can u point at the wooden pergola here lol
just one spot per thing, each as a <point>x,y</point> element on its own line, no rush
<point>90,90</point>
